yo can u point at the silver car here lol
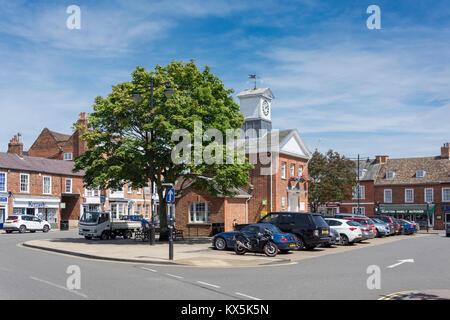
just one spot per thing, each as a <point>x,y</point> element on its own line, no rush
<point>382,228</point>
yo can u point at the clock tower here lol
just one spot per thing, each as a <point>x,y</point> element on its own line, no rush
<point>256,108</point>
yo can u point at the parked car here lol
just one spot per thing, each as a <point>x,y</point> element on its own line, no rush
<point>367,231</point>
<point>145,223</point>
<point>392,221</point>
<point>334,238</point>
<point>284,241</point>
<point>389,226</point>
<point>382,229</point>
<point>408,226</point>
<point>364,221</point>
<point>349,231</point>
<point>310,229</point>
<point>23,223</point>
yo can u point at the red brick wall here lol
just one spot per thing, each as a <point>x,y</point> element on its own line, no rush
<point>369,197</point>
<point>398,197</point>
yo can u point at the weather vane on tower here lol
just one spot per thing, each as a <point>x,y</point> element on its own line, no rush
<point>253,76</point>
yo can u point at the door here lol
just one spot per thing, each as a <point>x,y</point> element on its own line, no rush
<point>2,217</point>
<point>293,202</point>
<point>447,223</point>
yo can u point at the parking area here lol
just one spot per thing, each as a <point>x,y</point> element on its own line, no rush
<point>199,253</point>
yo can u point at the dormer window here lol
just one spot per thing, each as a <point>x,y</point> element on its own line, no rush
<point>362,173</point>
<point>420,173</point>
<point>390,175</point>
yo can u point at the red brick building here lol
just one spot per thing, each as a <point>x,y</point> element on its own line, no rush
<point>280,159</point>
<point>415,188</point>
<point>38,186</point>
<point>362,202</point>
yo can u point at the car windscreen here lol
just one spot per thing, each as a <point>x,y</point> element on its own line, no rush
<point>89,217</point>
<point>12,218</point>
<point>273,228</point>
<point>319,221</point>
<point>353,224</point>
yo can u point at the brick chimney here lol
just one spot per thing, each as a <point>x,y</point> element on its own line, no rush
<point>80,146</point>
<point>445,151</point>
<point>381,159</point>
<point>15,145</point>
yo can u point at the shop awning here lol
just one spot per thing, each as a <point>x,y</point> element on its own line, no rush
<point>411,209</point>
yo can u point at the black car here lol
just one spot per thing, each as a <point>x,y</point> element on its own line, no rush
<point>310,229</point>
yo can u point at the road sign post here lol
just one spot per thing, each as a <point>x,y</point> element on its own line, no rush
<point>170,199</point>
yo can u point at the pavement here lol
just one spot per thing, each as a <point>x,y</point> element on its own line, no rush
<point>195,252</point>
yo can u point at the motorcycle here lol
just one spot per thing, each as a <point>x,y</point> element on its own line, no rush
<point>261,242</point>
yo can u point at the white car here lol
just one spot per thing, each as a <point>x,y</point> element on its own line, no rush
<point>349,231</point>
<point>23,223</point>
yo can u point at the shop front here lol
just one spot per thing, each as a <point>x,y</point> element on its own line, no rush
<point>3,209</point>
<point>43,208</point>
<point>423,214</point>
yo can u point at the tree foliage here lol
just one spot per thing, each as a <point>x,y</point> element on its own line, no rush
<point>333,177</point>
<point>120,146</point>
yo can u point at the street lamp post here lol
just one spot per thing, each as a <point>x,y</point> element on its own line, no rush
<point>137,98</point>
<point>428,216</point>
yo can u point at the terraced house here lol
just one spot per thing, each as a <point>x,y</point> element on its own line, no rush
<point>415,188</point>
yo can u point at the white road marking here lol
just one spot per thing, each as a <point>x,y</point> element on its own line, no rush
<point>401,262</point>
<point>244,295</point>
<point>208,284</point>
<point>149,269</point>
<point>172,275</point>
<point>60,287</point>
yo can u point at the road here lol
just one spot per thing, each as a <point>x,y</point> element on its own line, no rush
<point>33,274</point>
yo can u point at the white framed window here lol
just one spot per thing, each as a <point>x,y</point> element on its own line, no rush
<point>199,212</point>
<point>138,210</point>
<point>362,173</point>
<point>68,156</point>
<point>292,170</point>
<point>283,170</point>
<point>24,183</point>
<point>409,195</point>
<point>129,189</point>
<point>300,170</point>
<point>361,210</point>
<point>92,192</point>
<point>139,191</point>
<point>420,173</point>
<point>390,175</point>
<point>445,194</point>
<point>68,186</point>
<point>388,195</point>
<point>3,182</point>
<point>362,193</point>
<point>283,202</point>
<point>47,185</point>
<point>429,195</point>
<point>147,189</point>
<point>147,207</point>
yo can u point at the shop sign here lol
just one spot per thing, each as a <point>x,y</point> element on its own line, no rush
<point>3,199</point>
<point>36,204</point>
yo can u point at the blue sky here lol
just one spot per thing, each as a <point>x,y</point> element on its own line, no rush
<point>343,86</point>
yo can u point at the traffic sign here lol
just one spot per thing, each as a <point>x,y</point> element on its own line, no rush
<point>170,195</point>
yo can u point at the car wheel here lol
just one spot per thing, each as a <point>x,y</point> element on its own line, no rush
<point>22,229</point>
<point>10,231</point>
<point>344,240</point>
<point>113,236</point>
<point>88,237</point>
<point>32,231</point>
<point>220,243</point>
<point>45,229</point>
<point>300,243</point>
<point>310,247</point>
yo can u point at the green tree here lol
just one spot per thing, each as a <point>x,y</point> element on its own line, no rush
<point>332,178</point>
<point>120,146</point>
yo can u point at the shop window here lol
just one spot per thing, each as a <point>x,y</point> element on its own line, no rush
<point>360,210</point>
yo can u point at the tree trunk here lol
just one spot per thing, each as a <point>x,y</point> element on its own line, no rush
<point>162,210</point>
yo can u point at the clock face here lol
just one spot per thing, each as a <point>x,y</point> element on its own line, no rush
<point>265,108</point>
